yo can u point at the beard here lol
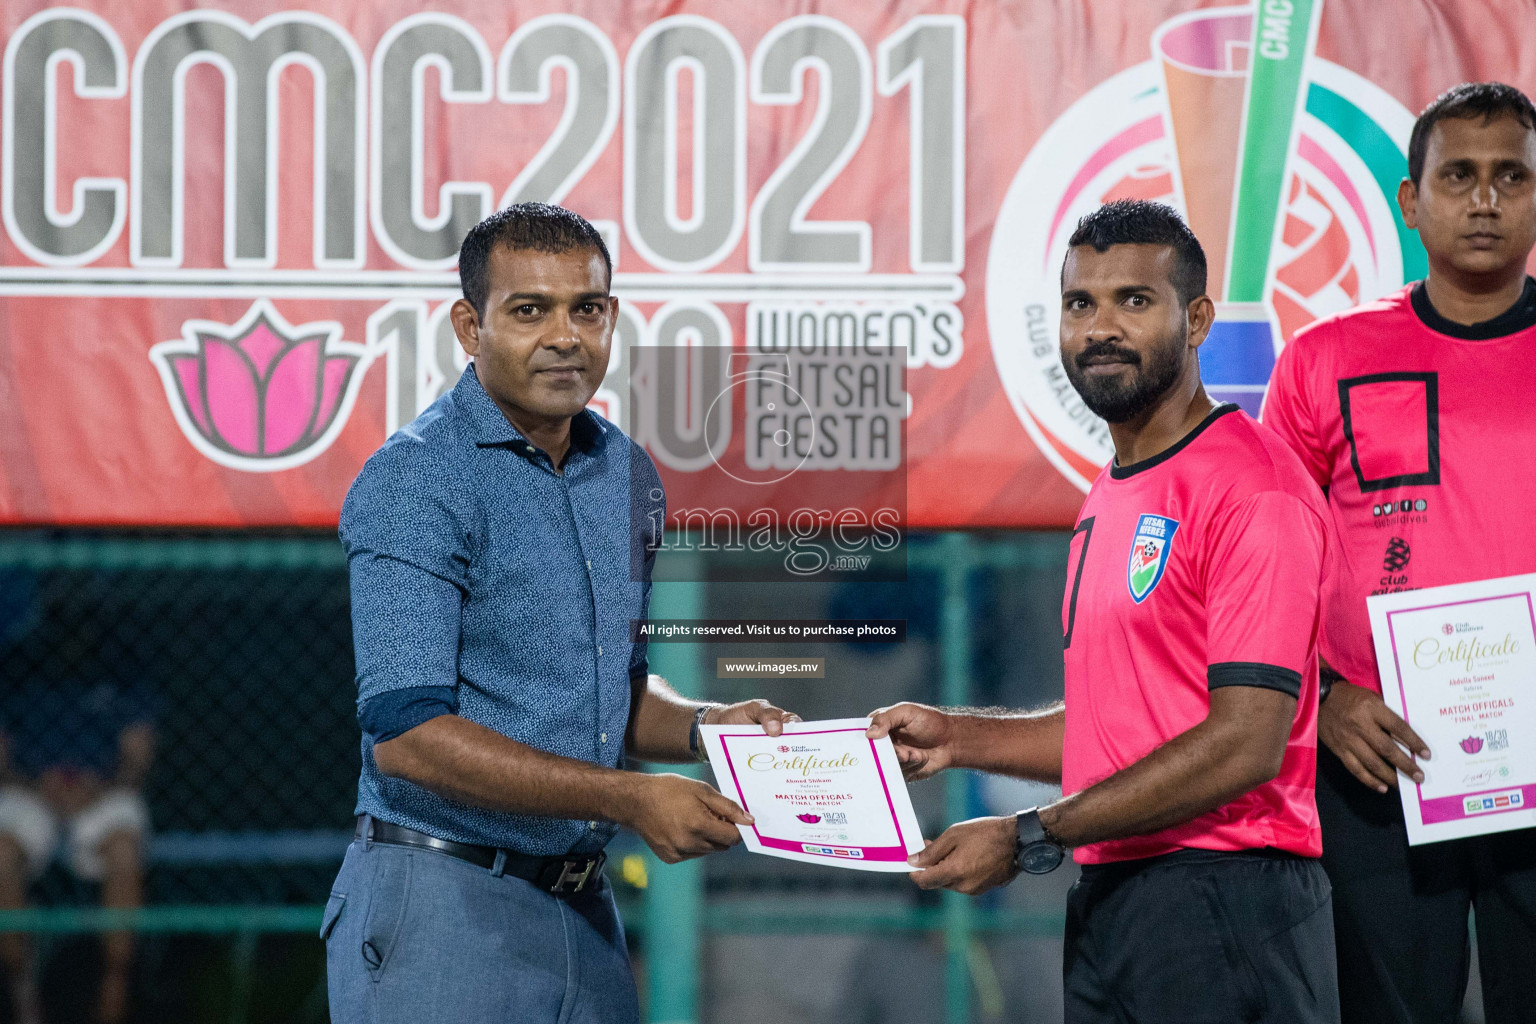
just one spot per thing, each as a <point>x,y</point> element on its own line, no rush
<point>1128,395</point>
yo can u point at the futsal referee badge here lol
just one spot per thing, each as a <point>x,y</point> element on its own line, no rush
<point>1150,549</point>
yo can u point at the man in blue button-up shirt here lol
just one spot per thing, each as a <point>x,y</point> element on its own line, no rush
<point>500,546</point>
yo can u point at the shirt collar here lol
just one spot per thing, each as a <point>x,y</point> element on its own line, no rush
<point>490,427</point>
<point>1119,472</point>
<point>1519,317</point>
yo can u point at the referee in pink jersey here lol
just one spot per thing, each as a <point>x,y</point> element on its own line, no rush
<point>1186,746</point>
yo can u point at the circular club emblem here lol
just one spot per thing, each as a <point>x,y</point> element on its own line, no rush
<point>1138,135</point>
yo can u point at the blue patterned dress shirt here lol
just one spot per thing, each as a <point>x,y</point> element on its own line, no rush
<point>487,585</point>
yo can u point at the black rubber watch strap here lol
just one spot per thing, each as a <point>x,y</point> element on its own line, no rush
<point>1326,677</point>
<point>1036,851</point>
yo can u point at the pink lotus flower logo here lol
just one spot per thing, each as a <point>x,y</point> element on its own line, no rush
<point>1472,744</point>
<point>1447,629</point>
<point>809,819</point>
<point>261,395</point>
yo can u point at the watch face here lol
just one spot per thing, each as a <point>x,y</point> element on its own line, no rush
<point>1041,858</point>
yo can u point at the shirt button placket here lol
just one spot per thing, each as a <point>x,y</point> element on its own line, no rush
<point>575,520</point>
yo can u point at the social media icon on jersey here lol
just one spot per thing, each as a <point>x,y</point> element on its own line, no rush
<point>1150,548</point>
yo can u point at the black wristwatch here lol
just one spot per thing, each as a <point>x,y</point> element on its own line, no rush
<point>1038,852</point>
<point>1326,677</point>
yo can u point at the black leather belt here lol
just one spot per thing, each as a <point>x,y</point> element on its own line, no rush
<point>564,875</point>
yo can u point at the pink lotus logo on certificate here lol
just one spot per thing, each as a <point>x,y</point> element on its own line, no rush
<point>809,819</point>
<point>1472,744</point>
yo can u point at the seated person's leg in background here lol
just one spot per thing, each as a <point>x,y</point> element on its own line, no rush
<point>106,845</point>
<point>28,834</point>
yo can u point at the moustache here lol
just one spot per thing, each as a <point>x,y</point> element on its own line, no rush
<point>1104,350</point>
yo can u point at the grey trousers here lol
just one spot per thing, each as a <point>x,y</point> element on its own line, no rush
<point>415,936</point>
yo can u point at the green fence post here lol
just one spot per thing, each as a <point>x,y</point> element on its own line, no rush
<point>674,895</point>
<point>955,641</point>
<point>242,981</point>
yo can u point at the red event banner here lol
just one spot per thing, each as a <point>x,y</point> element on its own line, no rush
<point>229,235</point>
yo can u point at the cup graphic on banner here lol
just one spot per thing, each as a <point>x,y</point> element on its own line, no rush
<point>1232,89</point>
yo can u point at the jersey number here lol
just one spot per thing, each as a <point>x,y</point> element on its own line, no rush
<point>1077,554</point>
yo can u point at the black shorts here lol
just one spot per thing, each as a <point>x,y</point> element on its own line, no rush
<point>1401,911</point>
<point>1201,937</point>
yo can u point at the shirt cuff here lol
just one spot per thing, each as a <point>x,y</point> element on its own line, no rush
<point>1254,673</point>
<point>395,712</point>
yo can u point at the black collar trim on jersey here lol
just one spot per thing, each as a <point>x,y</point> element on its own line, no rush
<point>1519,317</point>
<point>1120,472</point>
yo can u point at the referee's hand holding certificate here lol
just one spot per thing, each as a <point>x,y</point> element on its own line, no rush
<point>971,858</point>
<point>1356,724</point>
<point>920,734</point>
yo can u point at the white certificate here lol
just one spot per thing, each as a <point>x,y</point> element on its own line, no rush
<point>822,792</point>
<point>1458,663</point>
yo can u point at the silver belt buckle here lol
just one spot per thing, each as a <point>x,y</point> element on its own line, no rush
<point>571,880</point>
<point>577,881</point>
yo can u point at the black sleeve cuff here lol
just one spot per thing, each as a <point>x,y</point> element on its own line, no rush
<point>395,712</point>
<point>1254,673</point>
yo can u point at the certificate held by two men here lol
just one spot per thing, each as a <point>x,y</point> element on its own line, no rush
<point>1458,663</point>
<point>822,792</point>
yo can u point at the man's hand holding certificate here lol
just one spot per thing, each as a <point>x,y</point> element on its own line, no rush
<point>1458,663</point>
<point>822,792</point>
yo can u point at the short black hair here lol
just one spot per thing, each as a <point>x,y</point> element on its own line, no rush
<point>537,226</point>
<point>1487,100</point>
<point>1140,222</point>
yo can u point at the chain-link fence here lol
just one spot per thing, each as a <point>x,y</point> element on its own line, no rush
<point>234,655</point>
<point>241,670</point>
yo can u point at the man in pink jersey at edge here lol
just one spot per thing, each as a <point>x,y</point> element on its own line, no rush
<point>1186,743</point>
<point>1416,416</point>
